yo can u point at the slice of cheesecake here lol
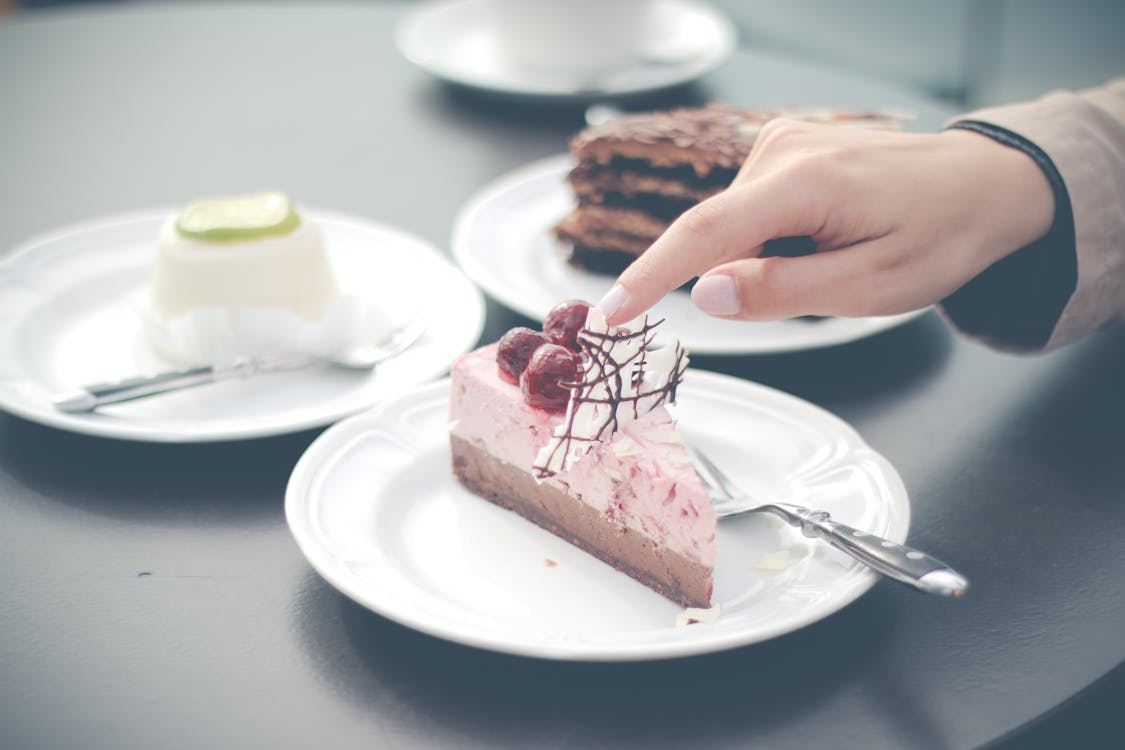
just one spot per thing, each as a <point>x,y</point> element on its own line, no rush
<point>609,473</point>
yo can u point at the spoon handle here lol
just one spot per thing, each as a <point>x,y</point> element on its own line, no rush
<point>87,398</point>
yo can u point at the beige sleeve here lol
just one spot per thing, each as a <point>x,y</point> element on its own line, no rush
<point>1083,133</point>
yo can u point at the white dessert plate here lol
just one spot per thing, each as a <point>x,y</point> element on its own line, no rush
<point>503,240</point>
<point>68,318</point>
<point>453,40</point>
<point>375,508</point>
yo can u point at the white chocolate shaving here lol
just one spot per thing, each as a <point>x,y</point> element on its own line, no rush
<point>626,446</point>
<point>693,615</point>
<point>774,561</point>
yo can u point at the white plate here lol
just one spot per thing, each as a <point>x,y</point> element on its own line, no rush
<point>502,239</point>
<point>452,41</point>
<point>374,507</point>
<point>66,320</point>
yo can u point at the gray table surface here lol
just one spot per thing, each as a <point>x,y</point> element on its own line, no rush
<point>151,595</point>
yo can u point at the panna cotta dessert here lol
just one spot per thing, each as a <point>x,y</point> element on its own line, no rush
<point>569,427</point>
<point>245,251</point>
<point>249,277</point>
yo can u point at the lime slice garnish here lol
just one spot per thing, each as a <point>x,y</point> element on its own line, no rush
<point>244,217</point>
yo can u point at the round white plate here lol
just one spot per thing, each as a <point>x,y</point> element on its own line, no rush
<point>503,240</point>
<point>452,40</point>
<point>375,508</point>
<point>66,319</point>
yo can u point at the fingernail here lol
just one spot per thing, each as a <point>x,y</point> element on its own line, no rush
<point>716,295</point>
<point>613,301</point>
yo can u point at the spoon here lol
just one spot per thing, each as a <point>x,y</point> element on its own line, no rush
<point>87,398</point>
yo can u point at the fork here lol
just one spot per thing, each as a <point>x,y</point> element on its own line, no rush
<point>897,561</point>
<point>87,398</point>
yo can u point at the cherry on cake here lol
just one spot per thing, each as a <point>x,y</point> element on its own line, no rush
<point>570,428</point>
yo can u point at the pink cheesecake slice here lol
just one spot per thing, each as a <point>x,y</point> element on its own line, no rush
<point>609,474</point>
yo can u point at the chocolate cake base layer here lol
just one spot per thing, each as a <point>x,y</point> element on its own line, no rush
<point>684,581</point>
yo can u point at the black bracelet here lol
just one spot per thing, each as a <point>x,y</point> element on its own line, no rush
<point>1016,302</point>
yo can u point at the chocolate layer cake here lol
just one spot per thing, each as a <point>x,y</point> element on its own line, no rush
<point>636,174</point>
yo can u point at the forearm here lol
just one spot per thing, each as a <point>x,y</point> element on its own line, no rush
<point>1073,281</point>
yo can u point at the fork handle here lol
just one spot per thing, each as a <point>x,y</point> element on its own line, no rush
<point>894,560</point>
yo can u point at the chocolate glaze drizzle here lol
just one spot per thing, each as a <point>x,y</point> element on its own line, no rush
<point>622,378</point>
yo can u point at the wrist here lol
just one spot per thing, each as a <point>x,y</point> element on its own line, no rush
<point>1017,181</point>
<point>1016,302</point>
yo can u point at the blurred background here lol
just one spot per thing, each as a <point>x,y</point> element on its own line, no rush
<point>968,53</point>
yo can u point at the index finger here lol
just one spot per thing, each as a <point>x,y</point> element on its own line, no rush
<point>733,224</point>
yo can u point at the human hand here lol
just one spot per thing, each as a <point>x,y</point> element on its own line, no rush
<point>900,221</point>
